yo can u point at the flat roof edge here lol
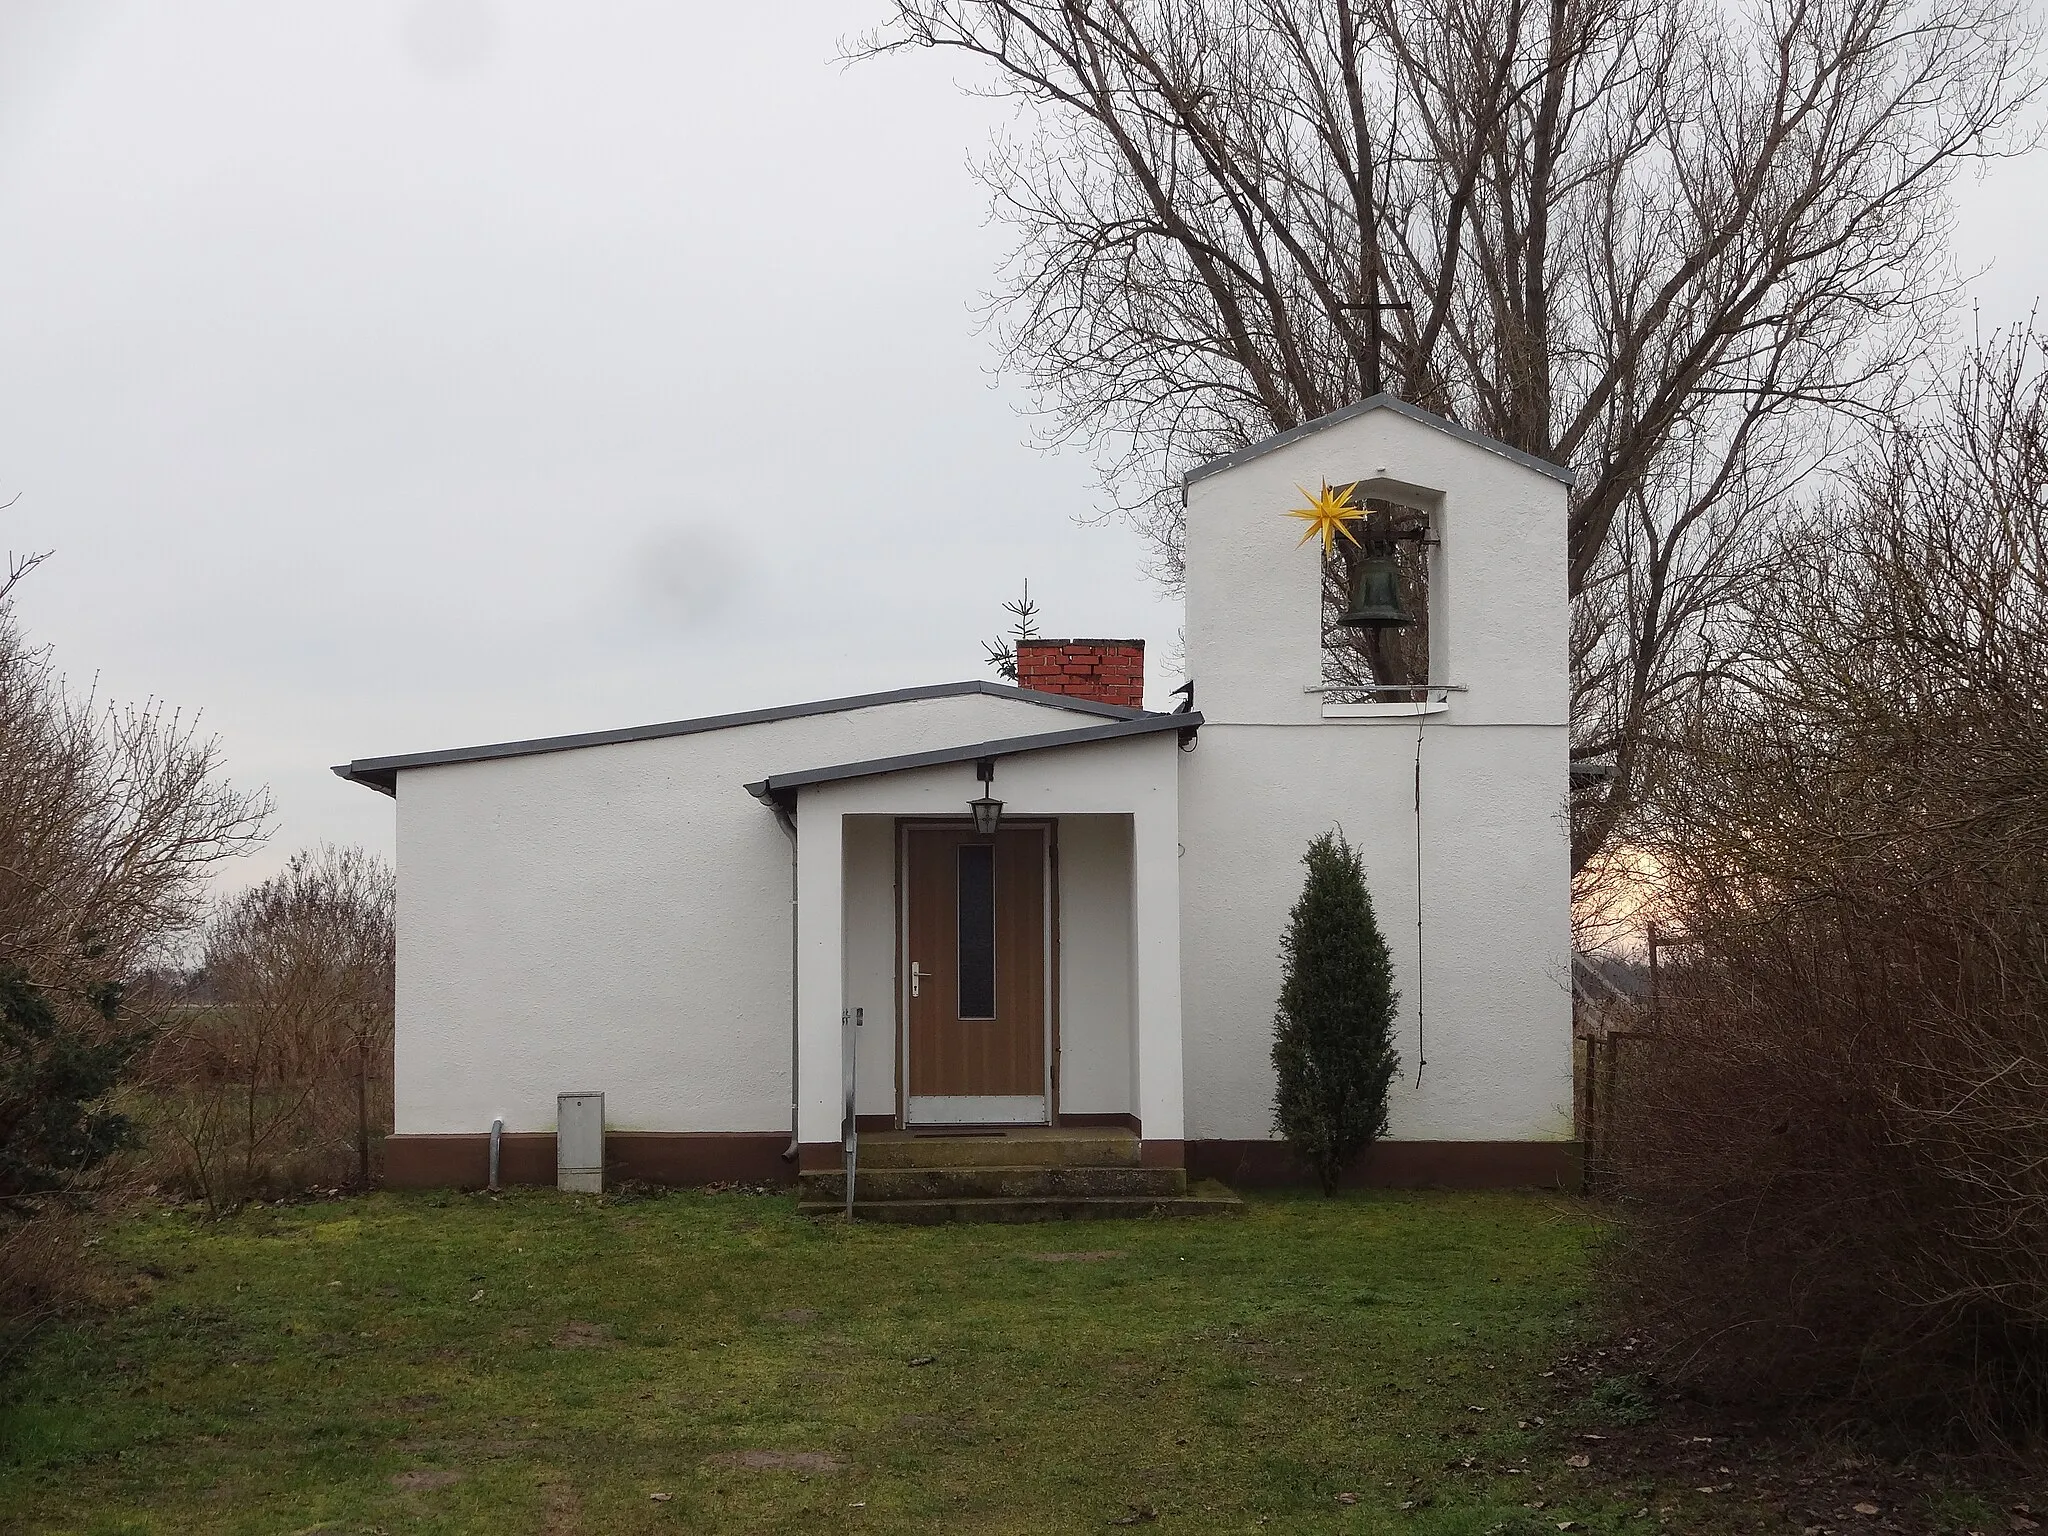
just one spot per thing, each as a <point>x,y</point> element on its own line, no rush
<point>380,773</point>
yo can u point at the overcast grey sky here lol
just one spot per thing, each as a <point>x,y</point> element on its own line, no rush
<point>402,375</point>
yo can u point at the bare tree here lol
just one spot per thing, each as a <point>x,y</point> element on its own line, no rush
<point>1664,242</point>
<point>1893,720</point>
<point>111,820</point>
<point>288,1059</point>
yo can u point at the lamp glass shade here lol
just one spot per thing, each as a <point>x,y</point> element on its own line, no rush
<point>988,814</point>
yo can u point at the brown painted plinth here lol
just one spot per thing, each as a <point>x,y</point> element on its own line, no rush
<point>1398,1165</point>
<point>528,1158</point>
<point>755,1157</point>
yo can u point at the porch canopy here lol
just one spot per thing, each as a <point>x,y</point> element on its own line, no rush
<point>1102,801</point>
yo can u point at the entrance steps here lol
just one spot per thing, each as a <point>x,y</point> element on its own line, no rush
<point>1027,1174</point>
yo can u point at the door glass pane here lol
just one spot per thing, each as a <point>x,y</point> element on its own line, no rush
<point>977,931</point>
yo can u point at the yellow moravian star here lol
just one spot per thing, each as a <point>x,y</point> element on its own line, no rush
<point>1327,514</point>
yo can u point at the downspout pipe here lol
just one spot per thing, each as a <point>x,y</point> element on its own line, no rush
<point>497,1136</point>
<point>786,817</point>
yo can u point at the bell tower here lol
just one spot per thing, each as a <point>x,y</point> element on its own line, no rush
<point>1449,571</point>
<point>1401,674</point>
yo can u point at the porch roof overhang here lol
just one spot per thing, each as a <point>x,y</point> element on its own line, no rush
<point>779,791</point>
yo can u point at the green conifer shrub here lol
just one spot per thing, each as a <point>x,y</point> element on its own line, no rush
<point>1333,1036</point>
<point>55,1080</point>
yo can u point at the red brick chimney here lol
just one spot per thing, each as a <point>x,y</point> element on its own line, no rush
<point>1107,671</point>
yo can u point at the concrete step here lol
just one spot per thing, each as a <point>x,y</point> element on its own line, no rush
<point>1029,1148</point>
<point>1208,1199</point>
<point>1020,1183</point>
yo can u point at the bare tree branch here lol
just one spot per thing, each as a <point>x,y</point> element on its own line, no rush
<point>1670,244</point>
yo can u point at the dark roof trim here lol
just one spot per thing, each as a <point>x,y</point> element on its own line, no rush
<point>1357,408</point>
<point>381,773</point>
<point>779,790</point>
<point>1590,771</point>
<point>1082,640</point>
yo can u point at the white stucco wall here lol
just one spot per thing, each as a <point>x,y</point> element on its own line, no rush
<point>1096,1037</point>
<point>870,907</point>
<point>1270,773</point>
<point>616,918</point>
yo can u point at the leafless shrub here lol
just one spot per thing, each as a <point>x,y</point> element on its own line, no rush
<point>1834,1154</point>
<point>111,820</point>
<point>279,1075</point>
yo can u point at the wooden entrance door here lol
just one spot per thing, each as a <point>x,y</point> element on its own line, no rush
<point>974,975</point>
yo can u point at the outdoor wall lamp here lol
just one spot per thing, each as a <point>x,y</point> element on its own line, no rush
<point>988,811</point>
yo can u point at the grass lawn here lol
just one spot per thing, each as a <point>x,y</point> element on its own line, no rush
<point>537,1362</point>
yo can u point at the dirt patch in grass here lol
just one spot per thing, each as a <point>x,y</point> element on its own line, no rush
<point>777,1461</point>
<point>1090,1256</point>
<point>584,1336</point>
<point>561,1509</point>
<point>795,1315</point>
<point>426,1479</point>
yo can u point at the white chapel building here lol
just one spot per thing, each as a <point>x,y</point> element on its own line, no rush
<point>719,923</point>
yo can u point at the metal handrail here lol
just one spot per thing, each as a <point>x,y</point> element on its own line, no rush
<point>1387,688</point>
<point>849,1124</point>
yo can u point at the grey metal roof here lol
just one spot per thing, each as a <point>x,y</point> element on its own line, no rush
<point>780,789</point>
<point>1380,402</point>
<point>381,773</point>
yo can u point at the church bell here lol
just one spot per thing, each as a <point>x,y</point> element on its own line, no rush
<point>1376,591</point>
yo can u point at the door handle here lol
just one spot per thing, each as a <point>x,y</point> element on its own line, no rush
<point>917,974</point>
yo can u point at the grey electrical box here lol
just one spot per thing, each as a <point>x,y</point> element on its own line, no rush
<point>579,1143</point>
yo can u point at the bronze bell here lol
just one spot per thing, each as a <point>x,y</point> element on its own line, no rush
<point>1376,591</point>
